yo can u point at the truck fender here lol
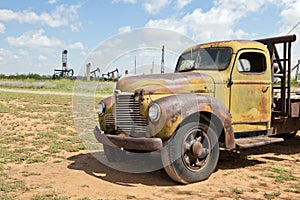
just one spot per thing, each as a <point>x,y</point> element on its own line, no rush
<point>176,109</point>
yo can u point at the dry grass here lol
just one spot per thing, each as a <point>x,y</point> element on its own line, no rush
<point>34,129</point>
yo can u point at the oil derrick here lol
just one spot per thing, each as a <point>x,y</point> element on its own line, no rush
<point>64,72</point>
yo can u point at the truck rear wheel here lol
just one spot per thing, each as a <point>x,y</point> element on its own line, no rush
<point>192,154</point>
<point>289,135</point>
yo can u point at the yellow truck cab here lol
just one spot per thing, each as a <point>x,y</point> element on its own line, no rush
<point>220,94</point>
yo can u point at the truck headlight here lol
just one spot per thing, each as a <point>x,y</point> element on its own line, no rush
<point>154,112</point>
<point>101,108</point>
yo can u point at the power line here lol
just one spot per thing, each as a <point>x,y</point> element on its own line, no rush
<point>293,28</point>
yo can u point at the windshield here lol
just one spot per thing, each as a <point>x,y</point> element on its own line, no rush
<point>204,59</point>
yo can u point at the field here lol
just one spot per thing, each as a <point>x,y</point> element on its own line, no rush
<point>42,157</point>
<point>62,85</point>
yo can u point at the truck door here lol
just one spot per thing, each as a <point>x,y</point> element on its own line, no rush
<point>250,92</point>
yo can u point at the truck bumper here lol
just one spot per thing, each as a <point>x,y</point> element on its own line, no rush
<point>143,144</point>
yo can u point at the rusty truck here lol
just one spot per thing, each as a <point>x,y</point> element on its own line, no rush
<point>229,94</point>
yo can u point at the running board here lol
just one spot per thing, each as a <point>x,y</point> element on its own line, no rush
<point>256,141</point>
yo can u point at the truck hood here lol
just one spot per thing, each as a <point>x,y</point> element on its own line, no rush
<point>172,83</point>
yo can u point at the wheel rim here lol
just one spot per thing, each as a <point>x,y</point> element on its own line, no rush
<point>196,149</point>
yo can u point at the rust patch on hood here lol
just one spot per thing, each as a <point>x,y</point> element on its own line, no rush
<point>179,83</point>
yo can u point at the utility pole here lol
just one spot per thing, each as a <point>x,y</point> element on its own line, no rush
<point>134,64</point>
<point>152,68</point>
<point>297,72</point>
<point>162,70</point>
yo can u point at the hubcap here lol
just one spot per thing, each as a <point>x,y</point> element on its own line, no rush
<point>196,149</point>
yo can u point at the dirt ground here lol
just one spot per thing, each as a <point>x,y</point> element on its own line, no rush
<point>240,175</point>
<point>267,172</point>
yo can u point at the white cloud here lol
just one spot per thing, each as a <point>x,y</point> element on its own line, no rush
<point>239,34</point>
<point>4,53</point>
<point>76,27</point>
<point>42,58</point>
<point>170,24</point>
<point>7,56</point>
<point>63,15</point>
<point>218,22</point>
<point>199,25</point>
<point>125,1</point>
<point>112,43</point>
<point>23,53</point>
<point>2,28</point>
<point>154,6</point>
<point>124,29</point>
<point>83,53</point>
<point>290,17</point>
<point>52,1</point>
<point>240,6</point>
<point>34,39</point>
<point>182,3</point>
<point>77,45</point>
<point>7,15</point>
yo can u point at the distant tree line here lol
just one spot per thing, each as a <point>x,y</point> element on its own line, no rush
<point>26,76</point>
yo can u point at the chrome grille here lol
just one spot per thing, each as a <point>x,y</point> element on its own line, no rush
<point>128,117</point>
<point>110,121</point>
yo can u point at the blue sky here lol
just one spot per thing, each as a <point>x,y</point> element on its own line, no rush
<point>34,33</point>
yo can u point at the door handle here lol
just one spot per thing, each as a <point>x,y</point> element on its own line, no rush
<point>264,90</point>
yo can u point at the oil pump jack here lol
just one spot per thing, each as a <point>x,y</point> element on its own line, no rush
<point>112,75</point>
<point>93,73</point>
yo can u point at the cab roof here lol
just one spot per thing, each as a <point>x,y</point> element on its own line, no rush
<point>235,45</point>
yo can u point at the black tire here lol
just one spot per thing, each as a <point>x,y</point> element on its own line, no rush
<point>294,133</point>
<point>192,153</point>
<point>114,154</point>
<point>290,135</point>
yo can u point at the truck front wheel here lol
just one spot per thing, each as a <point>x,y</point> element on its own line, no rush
<point>192,153</point>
